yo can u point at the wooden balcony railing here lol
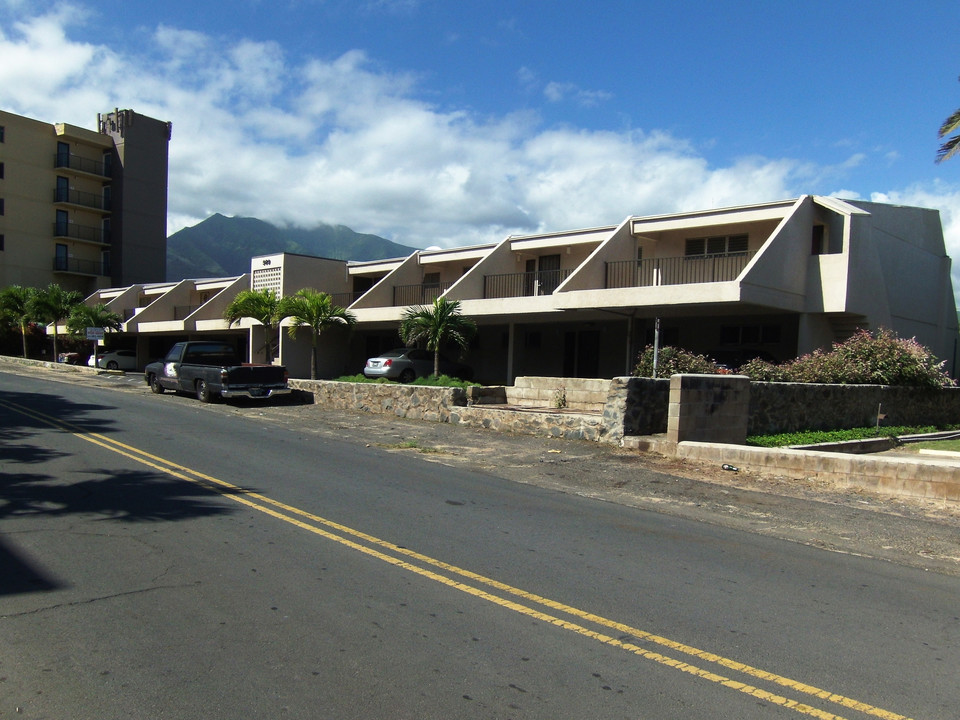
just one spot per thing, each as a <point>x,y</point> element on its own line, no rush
<point>525,284</point>
<point>345,299</point>
<point>676,270</point>
<point>418,294</point>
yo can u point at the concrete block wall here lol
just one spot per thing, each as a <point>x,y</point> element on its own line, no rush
<point>579,393</point>
<point>708,408</point>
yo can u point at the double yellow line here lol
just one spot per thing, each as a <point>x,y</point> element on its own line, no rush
<point>479,586</point>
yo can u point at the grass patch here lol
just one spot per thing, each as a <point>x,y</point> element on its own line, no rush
<point>431,381</point>
<point>812,437</point>
<point>412,445</point>
<point>950,445</point>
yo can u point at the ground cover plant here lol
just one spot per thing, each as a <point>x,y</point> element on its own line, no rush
<point>431,381</point>
<point>811,437</point>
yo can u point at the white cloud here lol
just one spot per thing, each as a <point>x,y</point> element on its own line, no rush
<point>341,140</point>
<point>559,92</point>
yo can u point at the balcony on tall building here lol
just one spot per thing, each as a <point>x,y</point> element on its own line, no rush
<point>78,266</point>
<point>86,166</point>
<point>523,284</point>
<point>84,233</point>
<point>93,201</point>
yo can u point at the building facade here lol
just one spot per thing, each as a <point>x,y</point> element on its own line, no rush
<point>772,280</point>
<point>86,209</point>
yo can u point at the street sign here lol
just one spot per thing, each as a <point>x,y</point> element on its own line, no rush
<point>94,333</point>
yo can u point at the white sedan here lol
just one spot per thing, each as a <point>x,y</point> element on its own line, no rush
<point>114,360</point>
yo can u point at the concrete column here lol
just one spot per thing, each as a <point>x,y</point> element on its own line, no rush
<point>708,408</point>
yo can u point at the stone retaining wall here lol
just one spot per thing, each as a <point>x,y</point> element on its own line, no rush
<point>641,406</point>
<point>635,406</point>
<point>469,408</point>
<point>791,407</point>
<point>416,402</point>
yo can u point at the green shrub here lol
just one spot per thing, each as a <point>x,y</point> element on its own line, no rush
<point>879,358</point>
<point>670,361</point>
<point>431,381</point>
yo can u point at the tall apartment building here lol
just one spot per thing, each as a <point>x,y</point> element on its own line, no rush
<point>86,209</point>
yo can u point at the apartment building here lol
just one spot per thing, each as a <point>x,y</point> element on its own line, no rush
<point>773,280</point>
<point>86,209</point>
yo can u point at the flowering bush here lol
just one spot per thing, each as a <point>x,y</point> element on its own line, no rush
<point>879,358</point>
<point>670,361</point>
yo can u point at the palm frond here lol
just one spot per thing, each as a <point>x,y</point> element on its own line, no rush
<point>948,149</point>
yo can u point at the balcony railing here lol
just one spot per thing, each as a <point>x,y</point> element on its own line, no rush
<point>80,164</point>
<point>525,284</point>
<point>676,270</point>
<point>418,294</point>
<point>81,232</point>
<point>76,197</point>
<point>345,299</point>
<point>80,267</point>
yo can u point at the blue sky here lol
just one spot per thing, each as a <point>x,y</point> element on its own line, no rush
<point>438,123</point>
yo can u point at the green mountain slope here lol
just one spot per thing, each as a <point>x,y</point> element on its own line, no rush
<point>221,246</point>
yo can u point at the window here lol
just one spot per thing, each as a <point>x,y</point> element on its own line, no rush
<point>1,243</point>
<point>63,154</point>
<point>1,133</point>
<point>1,171</point>
<point>431,278</point>
<point>1,206</point>
<point>817,246</point>
<point>718,245</point>
<point>750,334</point>
<point>63,220</point>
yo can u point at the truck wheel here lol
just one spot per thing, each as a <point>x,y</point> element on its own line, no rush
<point>204,393</point>
<point>155,385</point>
<point>408,376</point>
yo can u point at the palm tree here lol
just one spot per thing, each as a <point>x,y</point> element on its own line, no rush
<point>317,311</point>
<point>97,316</point>
<point>53,304</point>
<point>264,306</point>
<point>949,148</point>
<point>437,325</point>
<point>15,306</point>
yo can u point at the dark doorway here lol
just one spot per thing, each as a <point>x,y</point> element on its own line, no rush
<point>581,354</point>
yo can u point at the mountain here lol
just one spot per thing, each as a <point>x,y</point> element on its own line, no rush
<point>222,246</point>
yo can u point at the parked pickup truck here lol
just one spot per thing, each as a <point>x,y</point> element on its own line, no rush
<point>212,370</point>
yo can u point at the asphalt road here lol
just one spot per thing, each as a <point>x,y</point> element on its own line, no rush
<point>164,559</point>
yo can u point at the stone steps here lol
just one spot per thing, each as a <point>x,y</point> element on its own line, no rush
<point>548,392</point>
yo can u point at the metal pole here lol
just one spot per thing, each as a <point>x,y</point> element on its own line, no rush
<point>656,345</point>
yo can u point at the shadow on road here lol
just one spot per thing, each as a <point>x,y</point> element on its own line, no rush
<point>37,481</point>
